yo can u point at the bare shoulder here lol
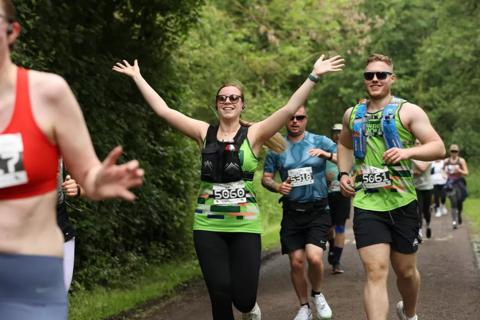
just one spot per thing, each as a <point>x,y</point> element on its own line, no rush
<point>410,107</point>
<point>410,113</point>
<point>348,113</point>
<point>49,86</point>
<point>346,118</point>
<point>410,110</point>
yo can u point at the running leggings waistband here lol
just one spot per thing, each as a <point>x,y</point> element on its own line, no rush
<point>32,279</point>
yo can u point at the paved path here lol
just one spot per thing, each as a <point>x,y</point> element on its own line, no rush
<point>450,285</point>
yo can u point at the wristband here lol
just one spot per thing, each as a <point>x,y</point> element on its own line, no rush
<point>331,156</point>
<point>313,77</point>
<point>342,173</point>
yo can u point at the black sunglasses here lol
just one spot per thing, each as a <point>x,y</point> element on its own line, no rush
<point>233,98</point>
<point>298,118</point>
<point>453,151</point>
<point>381,75</point>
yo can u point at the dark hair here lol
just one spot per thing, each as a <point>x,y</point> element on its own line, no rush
<point>380,57</point>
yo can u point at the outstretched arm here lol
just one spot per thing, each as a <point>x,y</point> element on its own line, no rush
<point>263,130</point>
<point>190,127</point>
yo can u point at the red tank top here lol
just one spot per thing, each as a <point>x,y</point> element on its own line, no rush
<point>28,161</point>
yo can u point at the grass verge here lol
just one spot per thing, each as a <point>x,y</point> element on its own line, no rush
<point>162,280</point>
<point>472,212</point>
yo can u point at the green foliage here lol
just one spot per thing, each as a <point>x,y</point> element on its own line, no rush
<point>187,49</point>
<point>449,74</point>
<point>81,41</point>
<point>270,46</point>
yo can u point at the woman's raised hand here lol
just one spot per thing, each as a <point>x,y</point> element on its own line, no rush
<point>127,69</point>
<point>332,64</point>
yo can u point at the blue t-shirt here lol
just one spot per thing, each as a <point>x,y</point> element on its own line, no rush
<point>309,183</point>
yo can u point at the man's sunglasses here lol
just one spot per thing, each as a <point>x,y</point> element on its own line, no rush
<point>233,98</point>
<point>453,151</point>
<point>298,118</point>
<point>381,75</point>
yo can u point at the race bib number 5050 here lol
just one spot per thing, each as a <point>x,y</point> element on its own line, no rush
<point>12,170</point>
<point>229,193</point>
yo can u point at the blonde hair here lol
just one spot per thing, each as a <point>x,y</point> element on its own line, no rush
<point>276,143</point>
<point>379,57</point>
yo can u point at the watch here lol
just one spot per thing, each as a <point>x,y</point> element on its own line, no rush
<point>342,173</point>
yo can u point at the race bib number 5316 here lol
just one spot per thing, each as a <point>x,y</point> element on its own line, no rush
<point>12,170</point>
<point>301,176</point>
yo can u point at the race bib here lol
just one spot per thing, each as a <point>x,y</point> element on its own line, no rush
<point>301,176</point>
<point>373,178</point>
<point>231,193</point>
<point>12,170</point>
<point>334,186</point>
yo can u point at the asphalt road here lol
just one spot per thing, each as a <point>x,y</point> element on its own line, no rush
<point>450,286</point>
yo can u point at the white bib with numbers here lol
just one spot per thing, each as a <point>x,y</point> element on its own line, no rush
<point>373,178</point>
<point>334,186</point>
<point>301,176</point>
<point>12,170</point>
<point>231,193</point>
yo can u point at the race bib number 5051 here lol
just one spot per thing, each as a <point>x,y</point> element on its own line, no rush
<point>229,193</point>
<point>12,170</point>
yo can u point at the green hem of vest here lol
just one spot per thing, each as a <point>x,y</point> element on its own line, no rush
<point>408,201</point>
<point>231,230</point>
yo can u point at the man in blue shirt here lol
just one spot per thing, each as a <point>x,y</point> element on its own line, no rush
<point>306,222</point>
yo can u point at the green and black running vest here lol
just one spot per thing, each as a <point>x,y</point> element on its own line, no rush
<point>224,205</point>
<point>381,186</point>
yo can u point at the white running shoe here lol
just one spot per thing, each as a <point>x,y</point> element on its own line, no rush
<point>323,309</point>
<point>438,213</point>
<point>254,314</point>
<point>304,313</point>
<point>401,312</point>
<point>444,209</point>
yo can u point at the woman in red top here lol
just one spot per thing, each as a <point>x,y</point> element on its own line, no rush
<point>38,113</point>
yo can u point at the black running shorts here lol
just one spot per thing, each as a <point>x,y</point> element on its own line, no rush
<point>304,223</point>
<point>400,228</point>
<point>339,208</point>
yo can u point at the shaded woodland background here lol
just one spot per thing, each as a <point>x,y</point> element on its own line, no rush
<point>187,48</point>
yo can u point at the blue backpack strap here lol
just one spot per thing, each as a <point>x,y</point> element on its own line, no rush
<point>390,132</point>
<point>359,131</point>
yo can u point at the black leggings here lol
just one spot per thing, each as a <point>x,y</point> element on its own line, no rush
<point>230,264</point>
<point>456,202</point>
<point>424,200</point>
<point>439,195</point>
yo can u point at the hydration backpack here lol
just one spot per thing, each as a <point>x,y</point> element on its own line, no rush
<point>221,160</point>
<point>390,132</point>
